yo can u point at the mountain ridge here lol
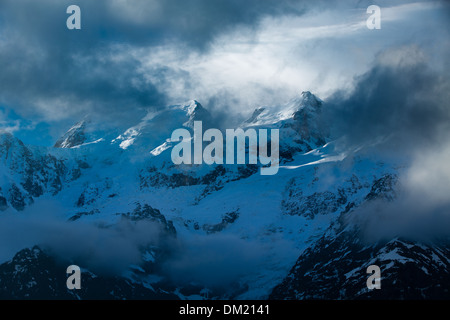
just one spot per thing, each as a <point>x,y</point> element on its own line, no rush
<point>274,227</point>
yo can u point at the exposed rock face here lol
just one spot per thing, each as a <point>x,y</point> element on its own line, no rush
<point>336,269</point>
<point>309,203</point>
<point>33,274</point>
<point>29,172</point>
<point>146,212</point>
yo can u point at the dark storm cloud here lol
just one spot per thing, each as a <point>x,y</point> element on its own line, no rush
<point>401,100</point>
<point>62,86</point>
<point>194,22</point>
<point>50,73</point>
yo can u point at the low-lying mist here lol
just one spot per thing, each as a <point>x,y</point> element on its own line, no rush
<point>110,248</point>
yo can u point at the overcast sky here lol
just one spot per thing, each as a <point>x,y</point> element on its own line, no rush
<point>232,56</point>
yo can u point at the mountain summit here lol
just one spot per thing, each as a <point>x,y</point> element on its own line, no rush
<point>74,137</point>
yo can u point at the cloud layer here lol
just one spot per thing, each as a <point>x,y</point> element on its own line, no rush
<point>421,210</point>
<point>51,73</point>
<point>230,55</point>
<point>401,101</point>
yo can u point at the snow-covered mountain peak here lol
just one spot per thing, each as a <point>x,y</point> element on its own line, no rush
<point>74,137</point>
<point>157,126</point>
<point>192,106</point>
<point>306,102</point>
<point>83,133</point>
<point>196,112</point>
<point>299,120</point>
<point>6,137</point>
<point>9,143</point>
<point>310,99</point>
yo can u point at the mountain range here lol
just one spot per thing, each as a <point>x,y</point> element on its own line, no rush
<point>141,227</point>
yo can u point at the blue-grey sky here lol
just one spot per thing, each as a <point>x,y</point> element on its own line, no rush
<point>230,55</point>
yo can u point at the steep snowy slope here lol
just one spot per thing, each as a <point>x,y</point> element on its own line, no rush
<point>300,122</point>
<point>157,126</point>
